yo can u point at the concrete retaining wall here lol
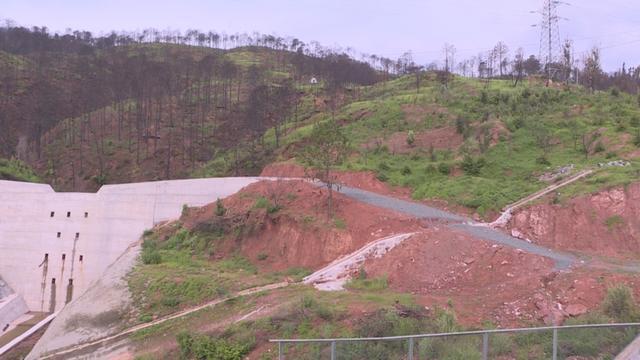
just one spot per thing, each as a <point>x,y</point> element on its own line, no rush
<point>53,245</point>
<point>11,308</point>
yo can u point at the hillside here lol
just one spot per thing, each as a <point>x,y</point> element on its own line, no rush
<point>482,146</point>
<point>83,114</point>
<point>14,170</point>
<point>426,160</point>
<point>436,280</point>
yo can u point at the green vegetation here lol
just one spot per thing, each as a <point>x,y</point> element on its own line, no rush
<point>264,203</point>
<point>205,347</point>
<point>620,305</point>
<point>177,272</point>
<point>613,222</point>
<point>368,284</point>
<point>16,170</point>
<point>220,210</point>
<point>509,137</point>
<point>339,223</point>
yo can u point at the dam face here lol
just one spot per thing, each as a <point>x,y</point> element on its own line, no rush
<point>54,245</point>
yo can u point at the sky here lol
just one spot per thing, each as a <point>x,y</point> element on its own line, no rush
<point>383,27</point>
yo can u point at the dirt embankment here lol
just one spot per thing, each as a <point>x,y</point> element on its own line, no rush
<point>300,233</point>
<point>484,281</point>
<point>606,223</point>
<point>365,180</point>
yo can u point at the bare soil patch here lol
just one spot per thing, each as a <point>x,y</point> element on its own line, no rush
<point>301,233</point>
<point>444,138</point>
<point>602,224</point>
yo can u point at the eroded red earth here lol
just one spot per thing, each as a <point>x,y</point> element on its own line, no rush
<point>439,265</point>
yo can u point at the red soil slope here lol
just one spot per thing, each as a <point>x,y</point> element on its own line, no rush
<point>301,234</point>
<point>606,223</point>
<point>483,281</point>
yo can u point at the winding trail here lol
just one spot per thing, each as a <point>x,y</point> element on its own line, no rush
<point>562,260</point>
<point>508,210</point>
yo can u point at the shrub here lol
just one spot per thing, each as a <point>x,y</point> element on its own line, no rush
<point>636,140</point>
<point>411,138</point>
<point>150,253</point>
<point>406,170</point>
<point>444,168</point>
<point>484,97</point>
<point>615,92</point>
<point>170,301</point>
<point>599,147</point>
<point>619,303</point>
<point>339,223</point>
<point>383,166</point>
<point>542,160</point>
<point>261,203</point>
<point>472,167</point>
<point>462,125</point>
<point>220,210</point>
<point>382,177</point>
<point>614,221</point>
<point>205,347</point>
<point>100,179</point>
<point>185,210</point>
<point>446,321</point>
<point>262,256</point>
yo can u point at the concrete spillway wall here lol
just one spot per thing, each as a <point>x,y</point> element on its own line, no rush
<point>54,245</point>
<point>11,306</point>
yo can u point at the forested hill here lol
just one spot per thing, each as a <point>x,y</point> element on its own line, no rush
<point>84,111</point>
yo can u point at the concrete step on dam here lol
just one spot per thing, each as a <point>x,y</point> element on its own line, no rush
<point>54,245</point>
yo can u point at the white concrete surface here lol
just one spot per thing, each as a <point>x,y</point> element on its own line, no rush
<point>12,307</point>
<point>333,276</point>
<point>50,239</point>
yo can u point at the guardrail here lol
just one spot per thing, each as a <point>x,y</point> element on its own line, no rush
<point>412,338</point>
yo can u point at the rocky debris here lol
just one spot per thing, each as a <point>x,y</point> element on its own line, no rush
<point>576,309</point>
<point>549,311</point>
<point>619,163</point>
<point>559,172</point>
<point>335,275</point>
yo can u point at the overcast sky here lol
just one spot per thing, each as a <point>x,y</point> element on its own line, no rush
<point>384,27</point>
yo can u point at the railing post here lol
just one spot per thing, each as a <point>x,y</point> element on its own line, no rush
<point>333,350</point>
<point>280,355</point>
<point>410,348</point>
<point>555,344</point>
<point>485,346</point>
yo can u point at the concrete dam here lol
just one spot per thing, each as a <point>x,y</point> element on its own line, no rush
<point>54,245</point>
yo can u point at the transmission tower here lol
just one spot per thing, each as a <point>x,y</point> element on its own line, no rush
<point>550,45</point>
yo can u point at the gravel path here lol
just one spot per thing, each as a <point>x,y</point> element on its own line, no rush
<point>407,207</point>
<point>562,260</point>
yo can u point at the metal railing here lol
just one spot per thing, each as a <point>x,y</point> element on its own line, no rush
<point>412,338</point>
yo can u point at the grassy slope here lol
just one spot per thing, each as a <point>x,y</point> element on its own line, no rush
<point>512,166</point>
<point>17,171</point>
